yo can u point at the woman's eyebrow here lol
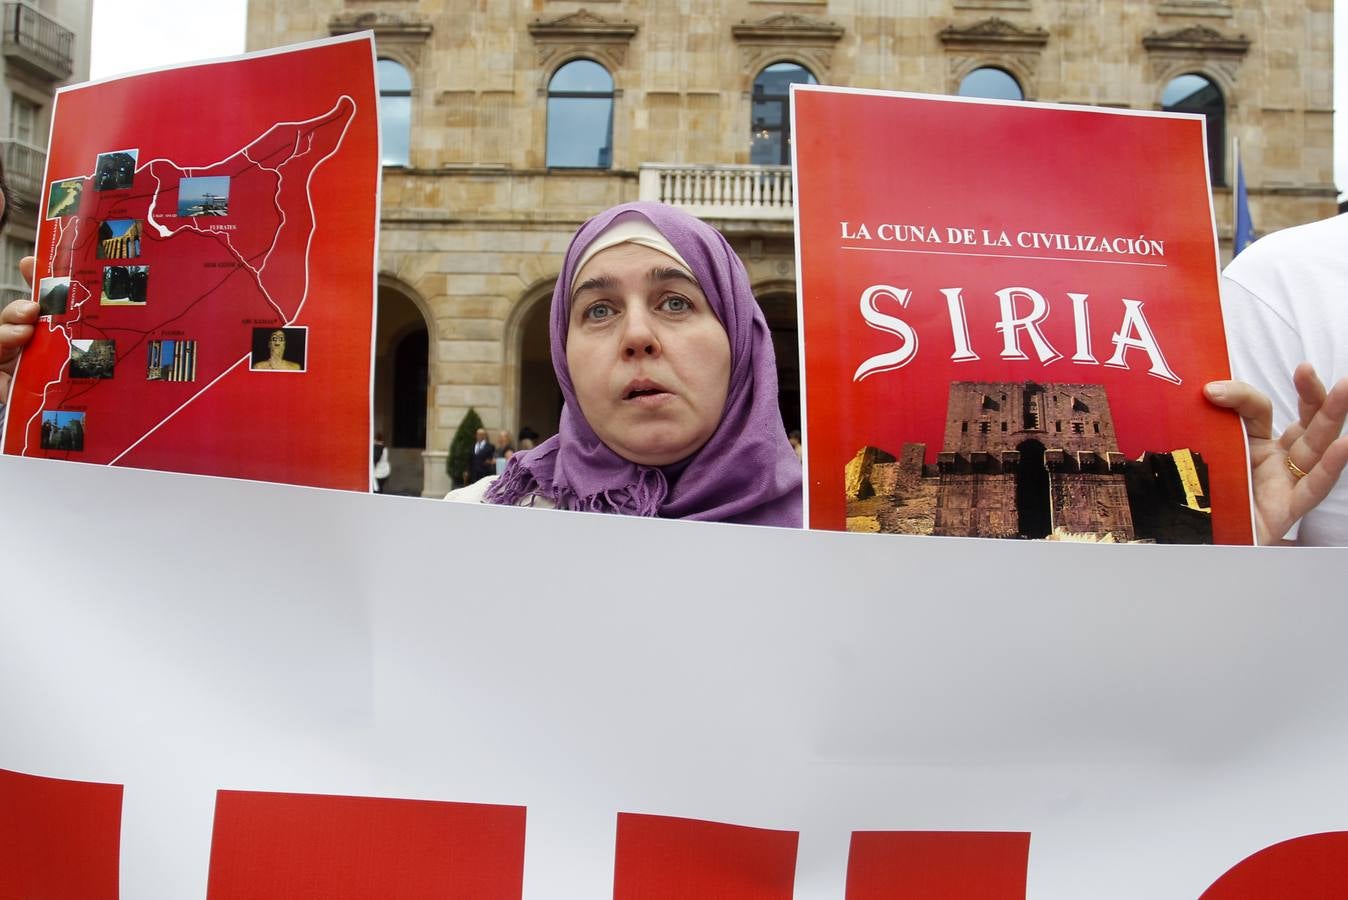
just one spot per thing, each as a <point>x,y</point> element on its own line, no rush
<point>670,273</point>
<point>599,283</point>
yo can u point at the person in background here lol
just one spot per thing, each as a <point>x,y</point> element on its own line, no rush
<point>382,468</point>
<point>481,464</point>
<point>504,450</point>
<point>1285,303</point>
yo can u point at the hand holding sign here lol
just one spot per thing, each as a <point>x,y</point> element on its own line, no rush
<point>16,330</point>
<point>1294,471</point>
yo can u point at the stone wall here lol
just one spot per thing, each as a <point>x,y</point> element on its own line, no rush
<point>977,505</point>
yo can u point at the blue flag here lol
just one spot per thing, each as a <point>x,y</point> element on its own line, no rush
<point>1244,231</point>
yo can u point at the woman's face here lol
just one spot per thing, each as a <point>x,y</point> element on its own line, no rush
<point>649,360</point>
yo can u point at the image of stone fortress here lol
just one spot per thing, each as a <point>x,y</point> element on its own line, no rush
<point>1030,460</point>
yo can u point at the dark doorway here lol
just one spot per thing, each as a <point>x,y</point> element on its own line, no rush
<point>780,311</point>
<point>1034,515</point>
<point>410,381</point>
<point>540,402</point>
<point>401,387</point>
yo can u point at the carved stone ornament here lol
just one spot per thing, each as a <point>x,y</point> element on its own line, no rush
<point>787,28</point>
<point>582,31</point>
<point>994,34</point>
<point>1197,38</point>
<point>385,26</point>
<point>787,36</point>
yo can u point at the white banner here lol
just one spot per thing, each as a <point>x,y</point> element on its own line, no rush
<point>1148,715</point>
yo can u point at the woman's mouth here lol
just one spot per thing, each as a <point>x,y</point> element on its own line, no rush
<point>640,389</point>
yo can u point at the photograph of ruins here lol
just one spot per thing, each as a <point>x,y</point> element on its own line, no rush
<point>1034,461</point>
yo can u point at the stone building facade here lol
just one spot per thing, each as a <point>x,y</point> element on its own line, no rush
<point>483,187</point>
<point>44,44</point>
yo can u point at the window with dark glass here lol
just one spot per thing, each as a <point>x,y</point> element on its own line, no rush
<point>991,84</point>
<point>580,116</point>
<point>395,112</point>
<point>770,117</point>
<point>1197,94</point>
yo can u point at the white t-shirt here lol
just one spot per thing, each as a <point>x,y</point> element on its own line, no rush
<point>477,491</point>
<point>1285,301</point>
<point>471,493</point>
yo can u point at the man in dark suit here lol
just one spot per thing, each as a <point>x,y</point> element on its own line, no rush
<point>481,464</point>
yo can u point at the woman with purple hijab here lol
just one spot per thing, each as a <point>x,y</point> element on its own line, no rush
<point>666,366</point>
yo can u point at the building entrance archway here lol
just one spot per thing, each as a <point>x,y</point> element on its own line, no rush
<point>779,308</point>
<point>1034,513</point>
<point>532,392</point>
<point>402,386</point>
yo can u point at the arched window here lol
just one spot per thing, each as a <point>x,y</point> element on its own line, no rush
<point>770,118</point>
<point>580,116</point>
<point>991,84</point>
<point>1196,94</point>
<point>395,111</point>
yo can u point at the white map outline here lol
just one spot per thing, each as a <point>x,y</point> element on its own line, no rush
<point>163,231</point>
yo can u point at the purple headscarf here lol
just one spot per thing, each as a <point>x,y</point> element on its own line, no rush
<point>746,472</point>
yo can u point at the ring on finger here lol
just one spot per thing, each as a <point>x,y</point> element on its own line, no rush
<point>1296,470</point>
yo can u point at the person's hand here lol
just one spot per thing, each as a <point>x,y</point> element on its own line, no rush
<point>1294,471</point>
<point>16,329</point>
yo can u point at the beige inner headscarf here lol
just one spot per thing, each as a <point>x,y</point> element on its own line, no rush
<point>628,228</point>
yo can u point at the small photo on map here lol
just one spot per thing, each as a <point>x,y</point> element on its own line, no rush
<point>203,196</point>
<point>115,170</point>
<point>92,359</point>
<point>279,349</point>
<point>53,294</point>
<point>62,430</point>
<point>172,361</point>
<point>119,239</point>
<point>124,285</point>
<point>64,199</point>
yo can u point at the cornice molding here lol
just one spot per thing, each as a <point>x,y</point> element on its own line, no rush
<point>1215,8</point>
<point>582,25</point>
<point>1197,38</point>
<point>787,28</point>
<point>582,33</point>
<point>384,25</point>
<point>994,33</point>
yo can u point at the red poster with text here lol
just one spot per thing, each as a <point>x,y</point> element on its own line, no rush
<point>205,271</point>
<point>1009,311</point>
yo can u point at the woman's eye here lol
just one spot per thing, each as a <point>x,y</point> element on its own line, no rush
<point>599,311</point>
<point>677,304</point>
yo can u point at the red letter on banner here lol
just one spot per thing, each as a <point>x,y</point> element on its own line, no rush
<point>938,865</point>
<point>1314,867</point>
<point>663,858</point>
<point>319,847</point>
<point>58,838</point>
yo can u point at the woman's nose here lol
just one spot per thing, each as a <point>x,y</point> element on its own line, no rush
<point>639,338</point>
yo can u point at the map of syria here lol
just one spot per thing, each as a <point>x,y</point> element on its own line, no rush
<point>206,278</point>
